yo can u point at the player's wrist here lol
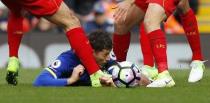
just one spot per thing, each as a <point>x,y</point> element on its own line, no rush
<point>70,81</point>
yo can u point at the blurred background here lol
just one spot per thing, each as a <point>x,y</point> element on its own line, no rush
<point>44,41</point>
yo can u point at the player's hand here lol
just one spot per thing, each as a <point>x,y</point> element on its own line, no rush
<point>122,10</point>
<point>106,81</point>
<point>77,72</point>
<point>183,6</point>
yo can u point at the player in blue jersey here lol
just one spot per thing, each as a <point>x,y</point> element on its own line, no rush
<point>67,69</point>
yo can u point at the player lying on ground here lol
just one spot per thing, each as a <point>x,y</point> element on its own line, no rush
<point>67,69</point>
<point>135,15</point>
<point>56,12</point>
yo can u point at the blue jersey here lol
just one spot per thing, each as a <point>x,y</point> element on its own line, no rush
<point>57,73</point>
<point>61,69</point>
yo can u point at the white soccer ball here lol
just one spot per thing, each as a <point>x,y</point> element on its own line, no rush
<point>125,74</point>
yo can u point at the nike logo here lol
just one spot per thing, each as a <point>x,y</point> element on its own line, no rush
<point>112,55</point>
<point>167,82</point>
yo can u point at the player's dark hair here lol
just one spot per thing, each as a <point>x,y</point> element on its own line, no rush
<point>100,40</point>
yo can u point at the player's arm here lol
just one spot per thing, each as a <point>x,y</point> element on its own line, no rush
<point>144,80</point>
<point>107,82</point>
<point>46,79</point>
<point>77,72</point>
<point>51,79</point>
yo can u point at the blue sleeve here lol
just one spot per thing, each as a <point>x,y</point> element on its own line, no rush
<point>64,64</point>
<point>57,73</point>
<point>46,79</point>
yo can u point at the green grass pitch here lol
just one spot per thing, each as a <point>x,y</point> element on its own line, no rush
<point>183,92</point>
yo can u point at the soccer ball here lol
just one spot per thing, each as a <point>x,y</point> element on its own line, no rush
<point>125,74</point>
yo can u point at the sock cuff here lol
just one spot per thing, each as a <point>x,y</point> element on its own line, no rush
<point>122,38</point>
<point>126,35</point>
<point>187,15</point>
<point>75,31</point>
<point>156,34</point>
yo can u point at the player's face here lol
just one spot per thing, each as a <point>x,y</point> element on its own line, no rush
<point>102,56</point>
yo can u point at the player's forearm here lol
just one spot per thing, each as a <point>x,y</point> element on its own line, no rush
<point>59,82</point>
<point>144,81</point>
<point>70,81</point>
<point>45,80</point>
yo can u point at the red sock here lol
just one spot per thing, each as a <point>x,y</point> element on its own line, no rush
<point>145,47</point>
<point>190,26</point>
<point>120,46</point>
<point>158,45</point>
<point>82,48</point>
<point>15,33</point>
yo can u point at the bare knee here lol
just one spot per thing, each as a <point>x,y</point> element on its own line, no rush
<point>151,24</point>
<point>155,14</point>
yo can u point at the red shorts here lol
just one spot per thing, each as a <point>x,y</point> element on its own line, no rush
<point>36,7</point>
<point>168,5</point>
<point>142,4</point>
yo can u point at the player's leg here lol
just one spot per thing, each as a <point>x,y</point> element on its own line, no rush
<point>121,36</point>
<point>145,47</point>
<point>154,16</point>
<point>190,26</point>
<point>148,69</point>
<point>15,33</point>
<point>65,18</point>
